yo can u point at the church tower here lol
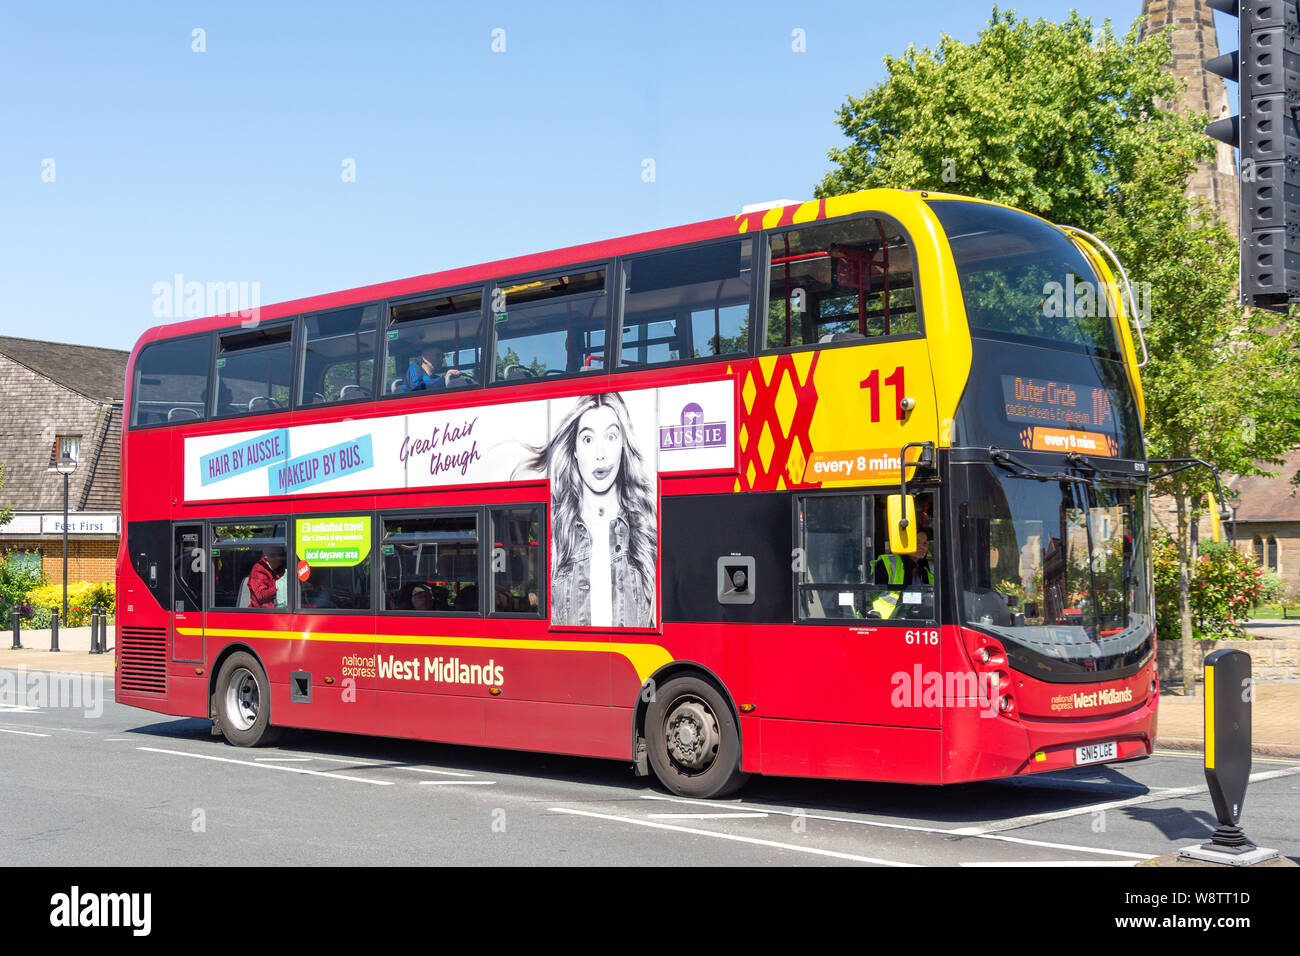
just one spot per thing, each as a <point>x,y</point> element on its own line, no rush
<point>1194,42</point>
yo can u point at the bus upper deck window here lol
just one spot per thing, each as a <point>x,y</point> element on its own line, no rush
<point>549,326</point>
<point>435,343</point>
<point>171,381</point>
<point>339,356</point>
<point>687,304</point>
<point>840,282</point>
<point>254,368</point>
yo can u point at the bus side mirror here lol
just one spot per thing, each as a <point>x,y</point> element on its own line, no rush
<point>901,515</point>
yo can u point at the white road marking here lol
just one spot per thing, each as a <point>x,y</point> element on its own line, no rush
<point>68,730</point>
<point>920,829</point>
<point>298,755</point>
<point>25,733</point>
<point>1003,838</point>
<point>350,761</point>
<point>380,763</point>
<point>117,738</point>
<point>17,709</point>
<point>815,851</point>
<point>1054,863</point>
<point>1032,818</point>
<point>457,783</point>
<point>268,766</point>
<point>1197,755</point>
<point>444,773</point>
<point>705,816</point>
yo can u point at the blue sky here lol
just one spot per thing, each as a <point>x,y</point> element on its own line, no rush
<point>227,165</point>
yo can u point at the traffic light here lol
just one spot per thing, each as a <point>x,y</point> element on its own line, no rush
<point>1267,132</point>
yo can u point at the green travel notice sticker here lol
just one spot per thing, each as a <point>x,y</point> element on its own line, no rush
<point>333,542</point>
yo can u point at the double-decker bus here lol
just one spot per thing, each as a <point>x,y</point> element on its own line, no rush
<point>851,488</point>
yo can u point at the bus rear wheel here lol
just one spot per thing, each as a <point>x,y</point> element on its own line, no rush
<point>241,703</point>
<point>693,742</point>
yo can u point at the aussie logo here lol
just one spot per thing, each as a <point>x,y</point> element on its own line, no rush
<point>693,432</point>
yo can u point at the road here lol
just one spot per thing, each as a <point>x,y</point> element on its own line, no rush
<point>132,787</point>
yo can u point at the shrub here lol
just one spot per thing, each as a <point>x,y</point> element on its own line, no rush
<point>34,617</point>
<point>1225,584</point>
<point>82,596</point>
<point>18,575</point>
<point>20,572</point>
<point>1272,588</point>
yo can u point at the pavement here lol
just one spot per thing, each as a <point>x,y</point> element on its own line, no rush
<point>1275,716</point>
<point>73,654</point>
<point>1274,627</point>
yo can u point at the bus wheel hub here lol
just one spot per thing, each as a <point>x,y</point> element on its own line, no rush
<point>692,735</point>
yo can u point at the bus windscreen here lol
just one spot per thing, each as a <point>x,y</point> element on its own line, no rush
<point>1022,279</point>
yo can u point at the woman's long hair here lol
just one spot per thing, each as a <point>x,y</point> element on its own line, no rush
<point>636,493</point>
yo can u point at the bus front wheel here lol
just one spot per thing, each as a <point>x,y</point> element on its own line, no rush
<point>693,740</point>
<point>242,702</point>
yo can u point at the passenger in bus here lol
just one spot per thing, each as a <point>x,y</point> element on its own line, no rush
<point>421,598</point>
<point>264,579</point>
<point>467,599</point>
<point>430,372</point>
<point>603,518</point>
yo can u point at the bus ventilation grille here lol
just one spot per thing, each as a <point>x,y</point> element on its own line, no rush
<point>142,659</point>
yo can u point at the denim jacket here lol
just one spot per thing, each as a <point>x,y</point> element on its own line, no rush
<point>571,585</point>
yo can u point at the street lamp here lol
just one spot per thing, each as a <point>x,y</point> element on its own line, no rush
<point>1233,502</point>
<point>65,465</point>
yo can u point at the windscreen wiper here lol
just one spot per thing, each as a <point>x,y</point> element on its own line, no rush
<point>1079,461</point>
<point>1007,460</point>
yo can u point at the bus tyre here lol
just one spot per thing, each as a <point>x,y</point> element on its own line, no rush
<point>242,702</point>
<point>693,740</point>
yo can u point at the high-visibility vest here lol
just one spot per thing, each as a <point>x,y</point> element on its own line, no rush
<point>886,604</point>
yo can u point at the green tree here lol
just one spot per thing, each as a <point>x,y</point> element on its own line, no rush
<point>1071,122</point>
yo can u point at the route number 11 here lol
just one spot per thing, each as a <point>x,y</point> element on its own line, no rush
<point>872,384</point>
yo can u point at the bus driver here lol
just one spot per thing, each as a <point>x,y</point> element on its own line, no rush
<point>899,571</point>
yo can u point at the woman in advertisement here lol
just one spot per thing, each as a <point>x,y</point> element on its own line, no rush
<point>603,518</point>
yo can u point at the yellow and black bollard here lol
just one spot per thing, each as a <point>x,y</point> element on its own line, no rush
<point>1229,692</point>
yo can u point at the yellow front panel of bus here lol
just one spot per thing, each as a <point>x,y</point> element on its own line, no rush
<point>831,418</point>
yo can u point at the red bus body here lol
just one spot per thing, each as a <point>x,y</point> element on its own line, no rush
<point>813,699</point>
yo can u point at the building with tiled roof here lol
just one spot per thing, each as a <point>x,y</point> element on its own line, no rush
<point>1267,518</point>
<point>59,395</point>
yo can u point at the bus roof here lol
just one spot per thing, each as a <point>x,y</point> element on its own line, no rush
<point>739,223</point>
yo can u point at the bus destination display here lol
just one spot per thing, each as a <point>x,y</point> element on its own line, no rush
<point>1040,401</point>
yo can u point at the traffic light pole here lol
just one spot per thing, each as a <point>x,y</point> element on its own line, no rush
<point>1266,130</point>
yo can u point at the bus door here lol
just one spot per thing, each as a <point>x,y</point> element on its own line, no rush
<point>189,565</point>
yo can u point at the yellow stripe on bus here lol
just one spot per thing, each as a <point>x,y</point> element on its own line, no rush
<point>1209,718</point>
<point>644,658</point>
